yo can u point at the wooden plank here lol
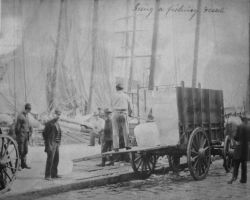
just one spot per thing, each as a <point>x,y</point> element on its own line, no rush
<point>188,107</point>
<point>197,107</point>
<point>141,149</point>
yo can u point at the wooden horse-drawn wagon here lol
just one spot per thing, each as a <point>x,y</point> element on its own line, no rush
<point>200,129</point>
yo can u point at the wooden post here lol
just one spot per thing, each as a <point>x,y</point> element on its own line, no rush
<point>131,71</point>
<point>154,46</point>
<point>94,46</point>
<point>196,43</point>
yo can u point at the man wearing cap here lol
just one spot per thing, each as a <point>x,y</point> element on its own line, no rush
<point>52,138</point>
<point>121,109</point>
<point>23,132</point>
<point>107,138</point>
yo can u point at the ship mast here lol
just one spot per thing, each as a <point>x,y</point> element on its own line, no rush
<point>94,49</point>
<point>154,45</point>
<point>53,74</point>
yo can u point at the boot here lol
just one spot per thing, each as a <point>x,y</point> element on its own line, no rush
<point>232,180</point>
<point>24,164</point>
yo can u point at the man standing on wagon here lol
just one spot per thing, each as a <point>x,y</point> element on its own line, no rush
<point>121,110</point>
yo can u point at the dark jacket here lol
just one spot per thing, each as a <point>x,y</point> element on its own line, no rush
<point>242,137</point>
<point>22,127</point>
<point>50,133</point>
<point>108,132</point>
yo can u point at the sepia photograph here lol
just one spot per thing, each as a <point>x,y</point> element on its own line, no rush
<point>124,99</point>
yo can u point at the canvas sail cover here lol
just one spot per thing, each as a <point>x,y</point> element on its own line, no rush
<point>40,36</point>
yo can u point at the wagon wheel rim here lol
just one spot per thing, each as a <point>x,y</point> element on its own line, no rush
<point>198,154</point>
<point>9,162</point>
<point>227,154</point>
<point>143,163</point>
<point>174,163</point>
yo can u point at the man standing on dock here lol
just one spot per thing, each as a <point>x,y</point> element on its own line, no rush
<point>121,109</point>
<point>107,138</point>
<point>241,151</point>
<point>52,135</point>
<point>23,132</point>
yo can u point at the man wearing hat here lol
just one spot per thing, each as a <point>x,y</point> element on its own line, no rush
<point>240,154</point>
<point>23,132</point>
<point>107,139</point>
<point>52,135</point>
<point>121,109</point>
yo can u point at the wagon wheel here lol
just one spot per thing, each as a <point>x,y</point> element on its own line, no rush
<point>9,162</point>
<point>143,163</point>
<point>198,154</point>
<point>228,154</point>
<point>174,163</point>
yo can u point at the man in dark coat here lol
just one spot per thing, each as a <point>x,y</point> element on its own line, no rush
<point>23,132</point>
<point>241,151</point>
<point>52,138</point>
<point>107,138</point>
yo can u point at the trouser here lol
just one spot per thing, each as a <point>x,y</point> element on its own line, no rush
<point>106,146</point>
<point>120,123</point>
<point>243,163</point>
<point>23,149</point>
<point>93,135</point>
<point>52,161</point>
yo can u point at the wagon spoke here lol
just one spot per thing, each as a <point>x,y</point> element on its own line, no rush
<point>202,141</point>
<point>139,157</point>
<point>2,147</point>
<point>206,149</point>
<point>199,168</point>
<point>140,163</point>
<point>195,146</point>
<point>148,164</point>
<point>196,162</point>
<point>6,147</point>
<point>11,167</point>
<point>195,158</point>
<point>143,166</point>
<point>3,170</point>
<point>151,160</point>
<point>194,152</point>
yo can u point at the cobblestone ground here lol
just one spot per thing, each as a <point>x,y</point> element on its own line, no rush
<point>168,186</point>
